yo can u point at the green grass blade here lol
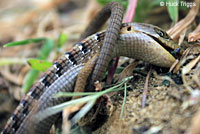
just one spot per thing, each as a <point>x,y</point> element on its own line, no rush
<point>29,79</point>
<point>69,94</point>
<point>32,75</point>
<point>24,42</point>
<point>40,65</point>
<point>10,61</point>
<point>124,100</point>
<point>58,108</point>
<point>173,10</point>
<point>62,39</point>
<point>82,112</point>
<point>47,47</point>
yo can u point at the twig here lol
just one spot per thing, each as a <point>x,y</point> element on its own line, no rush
<point>146,89</point>
<point>175,31</point>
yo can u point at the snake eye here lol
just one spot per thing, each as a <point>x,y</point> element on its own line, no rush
<point>162,34</point>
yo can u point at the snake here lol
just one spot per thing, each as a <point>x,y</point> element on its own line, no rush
<point>140,41</point>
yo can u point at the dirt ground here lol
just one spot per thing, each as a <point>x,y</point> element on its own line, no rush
<point>166,111</point>
<point>172,101</point>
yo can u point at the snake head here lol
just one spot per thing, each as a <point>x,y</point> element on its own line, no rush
<point>152,38</point>
<point>155,32</point>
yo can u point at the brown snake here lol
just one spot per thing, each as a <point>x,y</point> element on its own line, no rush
<point>114,10</point>
<point>140,41</point>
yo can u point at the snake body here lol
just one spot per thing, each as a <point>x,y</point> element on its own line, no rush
<point>114,10</point>
<point>136,40</point>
